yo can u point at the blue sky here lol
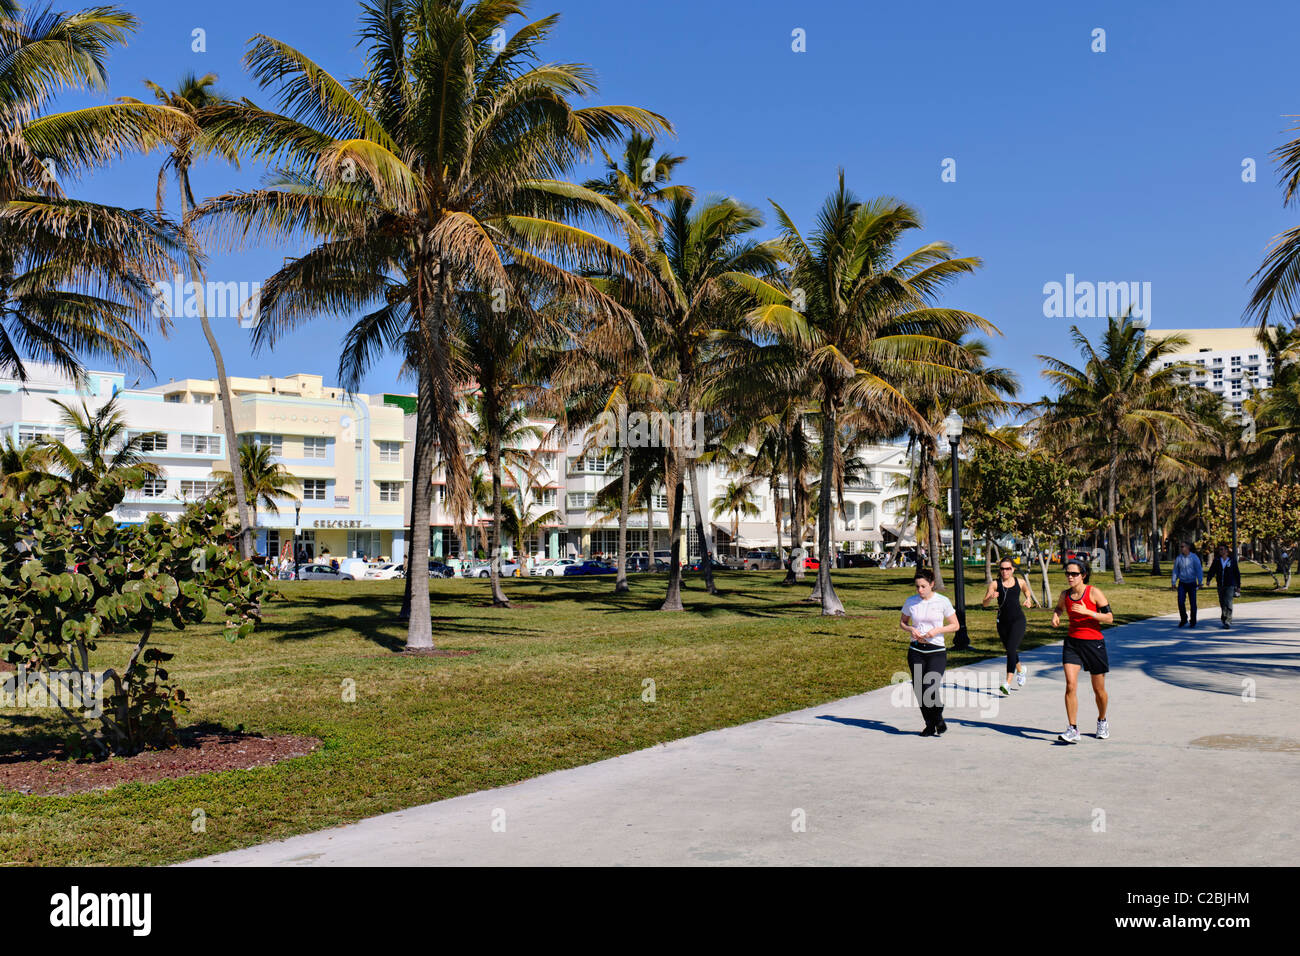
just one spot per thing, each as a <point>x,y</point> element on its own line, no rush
<point>1123,165</point>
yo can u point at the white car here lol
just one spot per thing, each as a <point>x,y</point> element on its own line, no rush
<point>551,568</point>
<point>481,569</point>
<point>383,572</point>
<point>315,572</point>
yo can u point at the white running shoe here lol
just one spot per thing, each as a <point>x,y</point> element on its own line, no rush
<point>1022,672</point>
<point>1103,730</point>
<point>1005,689</point>
<point>1070,736</point>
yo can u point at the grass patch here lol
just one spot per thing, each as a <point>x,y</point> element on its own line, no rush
<point>555,684</point>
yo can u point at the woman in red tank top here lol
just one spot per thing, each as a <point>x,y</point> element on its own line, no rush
<point>1084,647</point>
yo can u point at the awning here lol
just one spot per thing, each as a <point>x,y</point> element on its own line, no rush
<point>750,534</point>
<point>892,531</point>
<point>874,536</point>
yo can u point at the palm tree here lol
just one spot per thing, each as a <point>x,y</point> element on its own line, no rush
<point>23,467</point>
<point>191,97</point>
<point>736,498</point>
<point>263,481</point>
<point>1103,409</point>
<point>424,179</point>
<point>865,323</point>
<point>75,276</point>
<point>103,446</point>
<point>1279,275</point>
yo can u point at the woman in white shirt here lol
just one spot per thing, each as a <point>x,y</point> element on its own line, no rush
<point>927,617</point>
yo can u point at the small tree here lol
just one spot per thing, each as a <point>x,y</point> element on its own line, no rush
<point>70,574</point>
<point>1267,511</point>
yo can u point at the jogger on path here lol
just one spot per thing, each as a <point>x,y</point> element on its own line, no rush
<point>1011,592</point>
<point>1085,647</point>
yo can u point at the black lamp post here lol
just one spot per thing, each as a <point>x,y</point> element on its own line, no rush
<point>1232,487</point>
<point>297,514</point>
<point>952,429</point>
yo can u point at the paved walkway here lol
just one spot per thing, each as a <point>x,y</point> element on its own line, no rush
<point>1193,773</point>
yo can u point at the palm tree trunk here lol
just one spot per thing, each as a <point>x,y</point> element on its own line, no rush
<point>988,559</point>
<point>1155,528</point>
<point>932,518</point>
<point>773,485</point>
<point>419,632</point>
<point>796,538</point>
<point>620,582</point>
<point>706,551</point>
<point>499,598</point>
<point>673,599</point>
<point>830,435</point>
<point>405,613</point>
<point>907,507</point>
<point>1112,480</point>
<point>223,392</point>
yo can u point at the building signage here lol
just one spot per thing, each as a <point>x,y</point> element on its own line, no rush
<point>336,523</point>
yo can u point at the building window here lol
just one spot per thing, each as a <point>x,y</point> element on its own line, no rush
<point>27,434</point>
<point>200,444</point>
<point>198,489</point>
<point>314,447</point>
<point>153,488</point>
<point>390,491</point>
<point>661,502</point>
<point>274,442</point>
<point>152,441</point>
<point>358,487</point>
<point>544,497</point>
<point>360,446</point>
<point>313,489</point>
<point>174,397</point>
<point>201,399</point>
<point>547,460</point>
<point>580,500</point>
<point>390,452</point>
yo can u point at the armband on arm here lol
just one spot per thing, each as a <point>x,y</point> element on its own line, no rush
<point>1104,609</point>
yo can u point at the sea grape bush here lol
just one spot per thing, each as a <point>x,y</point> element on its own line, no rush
<point>71,575</point>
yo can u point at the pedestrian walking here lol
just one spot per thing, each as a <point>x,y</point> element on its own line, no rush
<point>1187,577</point>
<point>927,617</point>
<point>1011,592</point>
<point>1225,572</point>
<point>1085,646</point>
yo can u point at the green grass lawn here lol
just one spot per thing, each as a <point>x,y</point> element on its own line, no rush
<point>558,683</point>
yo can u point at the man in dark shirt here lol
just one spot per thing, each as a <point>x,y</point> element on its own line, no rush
<point>1224,571</point>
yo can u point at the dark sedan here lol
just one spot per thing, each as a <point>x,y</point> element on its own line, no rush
<point>589,567</point>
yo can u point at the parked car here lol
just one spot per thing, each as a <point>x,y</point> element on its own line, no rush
<point>315,572</point>
<point>697,564</point>
<point>846,559</point>
<point>589,567</point>
<point>811,564</point>
<point>436,570</point>
<point>641,561</point>
<point>383,572</point>
<point>482,569</point>
<point>551,568</point>
<point>763,561</point>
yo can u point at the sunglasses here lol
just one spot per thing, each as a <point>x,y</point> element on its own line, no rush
<point>1073,574</point>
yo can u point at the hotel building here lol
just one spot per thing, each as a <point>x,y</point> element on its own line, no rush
<point>1229,361</point>
<point>179,439</point>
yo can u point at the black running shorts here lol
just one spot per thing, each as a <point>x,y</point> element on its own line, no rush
<point>1090,655</point>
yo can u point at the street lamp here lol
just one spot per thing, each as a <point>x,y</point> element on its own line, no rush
<point>1233,481</point>
<point>952,429</point>
<point>297,515</point>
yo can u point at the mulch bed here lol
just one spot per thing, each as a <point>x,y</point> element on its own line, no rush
<point>48,771</point>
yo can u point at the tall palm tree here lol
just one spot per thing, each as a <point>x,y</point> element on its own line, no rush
<point>865,322</point>
<point>736,499</point>
<point>425,178</point>
<point>75,276</point>
<point>1103,408</point>
<point>103,445</point>
<point>192,96</point>
<point>263,481</point>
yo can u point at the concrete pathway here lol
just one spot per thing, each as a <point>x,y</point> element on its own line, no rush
<point>1202,768</point>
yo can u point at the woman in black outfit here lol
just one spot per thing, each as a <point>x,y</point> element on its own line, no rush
<point>1011,592</point>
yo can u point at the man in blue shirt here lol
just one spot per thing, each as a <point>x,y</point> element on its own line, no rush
<point>1187,577</point>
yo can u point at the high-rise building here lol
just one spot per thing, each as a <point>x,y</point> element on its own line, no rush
<point>1229,361</point>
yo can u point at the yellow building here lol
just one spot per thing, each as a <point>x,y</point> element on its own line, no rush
<point>346,452</point>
